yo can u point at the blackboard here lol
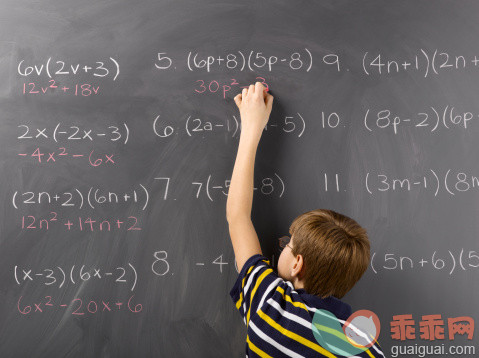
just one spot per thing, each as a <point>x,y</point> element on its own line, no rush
<point>118,138</point>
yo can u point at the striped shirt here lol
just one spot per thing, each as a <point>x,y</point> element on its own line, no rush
<point>279,318</point>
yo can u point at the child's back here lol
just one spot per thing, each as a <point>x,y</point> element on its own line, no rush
<point>279,316</point>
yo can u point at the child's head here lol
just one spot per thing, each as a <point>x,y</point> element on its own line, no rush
<point>328,254</point>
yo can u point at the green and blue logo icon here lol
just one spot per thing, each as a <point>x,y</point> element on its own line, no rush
<point>359,332</point>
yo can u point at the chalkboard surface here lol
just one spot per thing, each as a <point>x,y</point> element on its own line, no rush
<point>118,134</point>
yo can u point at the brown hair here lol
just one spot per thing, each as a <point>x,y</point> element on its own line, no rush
<point>335,251</point>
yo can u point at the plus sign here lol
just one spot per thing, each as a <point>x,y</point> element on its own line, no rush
<point>405,64</point>
<point>86,68</point>
<point>220,59</point>
<point>126,196</point>
<point>56,197</point>
<point>422,262</point>
<point>119,222</point>
<point>69,224</point>
<point>475,61</point>
<point>65,89</point>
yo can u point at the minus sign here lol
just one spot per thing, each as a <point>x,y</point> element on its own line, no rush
<point>200,263</point>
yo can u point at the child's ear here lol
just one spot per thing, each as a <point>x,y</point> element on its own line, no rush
<point>298,266</point>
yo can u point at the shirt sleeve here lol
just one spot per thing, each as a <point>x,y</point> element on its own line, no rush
<point>375,351</point>
<point>255,284</point>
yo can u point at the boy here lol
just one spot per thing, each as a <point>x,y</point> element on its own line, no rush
<point>326,255</point>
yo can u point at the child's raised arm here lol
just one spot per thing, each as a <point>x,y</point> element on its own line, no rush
<point>255,106</point>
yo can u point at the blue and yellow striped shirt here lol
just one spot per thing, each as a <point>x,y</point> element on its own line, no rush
<point>279,318</point>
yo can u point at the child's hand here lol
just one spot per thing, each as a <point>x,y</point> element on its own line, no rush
<point>255,106</point>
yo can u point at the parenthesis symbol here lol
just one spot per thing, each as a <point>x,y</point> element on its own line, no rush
<point>13,199</point>
<point>249,61</point>
<point>282,184</point>
<point>453,262</point>
<point>460,259</point>
<point>55,132</point>
<point>127,132</point>
<point>372,266</point>
<point>438,119</point>
<point>244,60</point>
<point>48,67</point>
<point>437,180</point>
<point>311,59</point>
<point>71,274</point>
<point>186,126</point>
<point>147,196</point>
<point>188,61</point>
<point>15,274</point>
<point>81,198</point>
<point>117,68</point>
<point>89,196</point>
<point>64,277</point>
<point>366,121</point>
<point>364,63</point>
<point>433,62</point>
<point>445,182</point>
<point>207,187</point>
<point>304,125</point>
<point>136,276</point>
<point>367,186</point>
<point>427,63</point>
<point>237,126</point>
